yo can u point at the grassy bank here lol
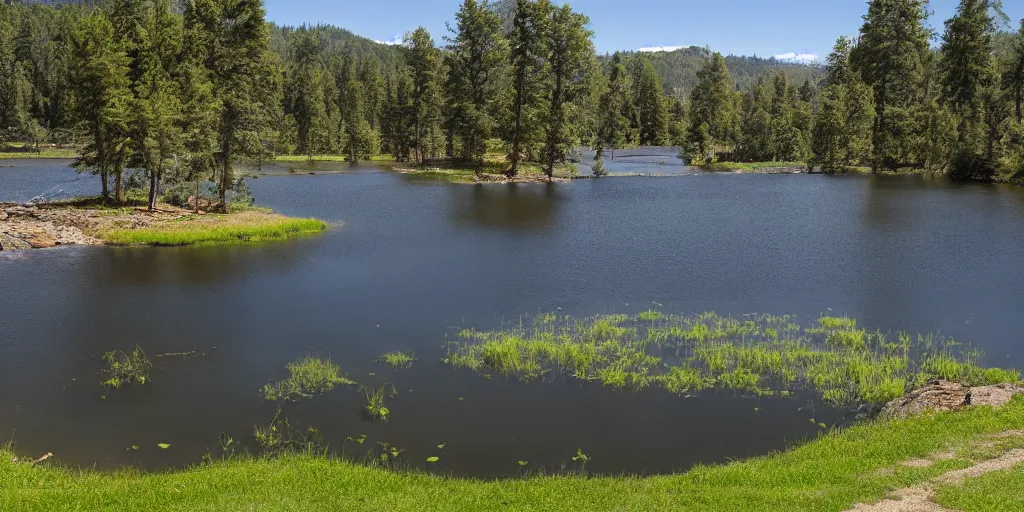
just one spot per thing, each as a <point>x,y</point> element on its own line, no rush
<point>328,158</point>
<point>840,469</point>
<point>212,229</point>
<point>16,150</point>
<point>754,167</point>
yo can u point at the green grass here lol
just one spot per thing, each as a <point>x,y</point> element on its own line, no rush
<point>751,167</point>
<point>1000,491</point>
<point>375,407</point>
<point>841,468</point>
<point>309,375</point>
<point>24,151</point>
<point>329,158</point>
<point>449,175</point>
<point>398,360</point>
<point>758,355</point>
<point>206,233</point>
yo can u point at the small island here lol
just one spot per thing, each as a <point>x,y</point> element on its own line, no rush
<point>91,222</point>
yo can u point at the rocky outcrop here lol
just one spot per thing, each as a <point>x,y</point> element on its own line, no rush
<point>32,227</point>
<point>949,396</point>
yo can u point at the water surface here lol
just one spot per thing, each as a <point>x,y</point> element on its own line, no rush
<point>410,263</point>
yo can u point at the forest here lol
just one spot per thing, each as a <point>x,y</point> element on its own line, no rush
<point>183,91</point>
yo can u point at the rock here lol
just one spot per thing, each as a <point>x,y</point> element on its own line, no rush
<point>3,215</point>
<point>948,396</point>
<point>41,240</point>
<point>10,243</point>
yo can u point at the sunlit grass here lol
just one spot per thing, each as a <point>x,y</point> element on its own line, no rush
<point>756,355</point>
<point>398,360</point>
<point>308,376</point>
<point>246,227</point>
<point>124,368</point>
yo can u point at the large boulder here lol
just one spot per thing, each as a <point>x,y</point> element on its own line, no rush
<point>10,243</point>
<point>942,395</point>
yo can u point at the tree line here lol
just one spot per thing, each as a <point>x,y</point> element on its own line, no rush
<point>888,100</point>
<point>184,90</point>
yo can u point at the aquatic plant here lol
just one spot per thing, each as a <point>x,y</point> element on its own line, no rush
<point>123,368</point>
<point>309,375</point>
<point>754,355</point>
<point>397,360</point>
<point>375,403</point>
<point>279,436</point>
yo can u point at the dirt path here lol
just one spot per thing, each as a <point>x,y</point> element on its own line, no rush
<point>918,498</point>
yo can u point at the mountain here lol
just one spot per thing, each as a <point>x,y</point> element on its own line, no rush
<point>678,68</point>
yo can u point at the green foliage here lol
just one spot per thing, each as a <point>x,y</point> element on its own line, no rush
<point>213,234</point>
<point>651,114</point>
<point>375,404</point>
<point>123,368</point>
<point>841,136</point>
<point>712,112</point>
<point>398,360</point>
<point>308,376</point>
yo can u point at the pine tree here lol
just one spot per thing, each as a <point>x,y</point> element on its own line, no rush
<point>712,111</point>
<point>652,118</point>
<point>308,103</point>
<point>104,100</point>
<point>424,65</point>
<point>755,140</point>
<point>478,61</point>
<point>841,134</point>
<point>232,41</point>
<point>1015,74</point>
<point>374,90</point>
<point>200,114</point>
<point>527,45</point>
<point>969,79</point>
<point>614,106</point>
<point>569,52</point>
<point>892,56</point>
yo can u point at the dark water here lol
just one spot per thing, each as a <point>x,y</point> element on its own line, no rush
<point>415,262</point>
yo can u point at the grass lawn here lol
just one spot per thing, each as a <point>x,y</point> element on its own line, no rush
<point>858,465</point>
<point>1002,491</point>
<point>214,229</point>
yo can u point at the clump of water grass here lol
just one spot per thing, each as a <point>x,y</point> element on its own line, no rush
<point>397,360</point>
<point>309,375</point>
<point>757,355</point>
<point>375,407</point>
<point>124,368</point>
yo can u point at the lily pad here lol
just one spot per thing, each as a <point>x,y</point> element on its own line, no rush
<point>163,446</point>
<point>432,459</point>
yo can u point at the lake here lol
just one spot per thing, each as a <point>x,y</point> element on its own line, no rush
<point>408,264</point>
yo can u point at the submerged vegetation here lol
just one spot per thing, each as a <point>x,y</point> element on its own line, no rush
<point>758,355</point>
<point>309,375</point>
<point>398,360</point>
<point>123,368</point>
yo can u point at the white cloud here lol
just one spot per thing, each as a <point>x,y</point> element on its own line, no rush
<point>398,39</point>
<point>651,49</point>
<point>799,58</point>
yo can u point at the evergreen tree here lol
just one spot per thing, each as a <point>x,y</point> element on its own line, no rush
<point>200,115</point>
<point>676,122</point>
<point>892,56</point>
<point>651,114</point>
<point>528,52</point>
<point>374,90</point>
<point>309,99</point>
<point>402,119</point>
<point>232,41</point>
<point>157,133</point>
<point>842,125</point>
<point>969,79</point>
<point>569,52</point>
<point>614,107</point>
<point>104,99</point>
<point>478,61</point>
<point>424,65</point>
<point>1015,74</point>
<point>712,112</point>
<point>755,140</point>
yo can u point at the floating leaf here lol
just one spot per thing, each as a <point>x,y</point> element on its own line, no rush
<point>461,398</point>
<point>133,448</point>
<point>441,446</point>
<point>523,463</point>
<point>431,459</point>
<point>163,446</point>
<point>822,425</point>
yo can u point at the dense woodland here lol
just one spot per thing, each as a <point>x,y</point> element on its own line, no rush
<point>183,91</point>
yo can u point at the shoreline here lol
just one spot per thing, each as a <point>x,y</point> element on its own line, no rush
<point>942,453</point>
<point>88,222</point>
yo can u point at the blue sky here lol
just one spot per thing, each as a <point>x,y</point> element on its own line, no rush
<point>741,27</point>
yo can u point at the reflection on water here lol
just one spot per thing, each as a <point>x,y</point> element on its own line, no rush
<point>515,206</point>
